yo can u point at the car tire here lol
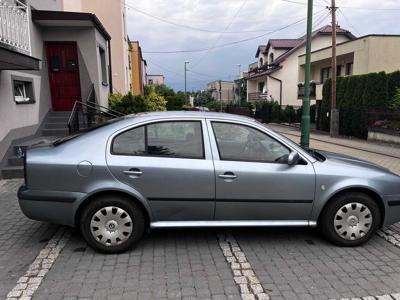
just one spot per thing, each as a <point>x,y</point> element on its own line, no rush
<point>351,219</point>
<point>112,224</point>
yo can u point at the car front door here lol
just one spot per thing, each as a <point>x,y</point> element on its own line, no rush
<point>253,179</point>
<point>170,164</point>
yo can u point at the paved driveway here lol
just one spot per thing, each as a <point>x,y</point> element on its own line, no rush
<point>45,261</point>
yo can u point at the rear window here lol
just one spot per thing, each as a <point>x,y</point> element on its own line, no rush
<point>84,131</point>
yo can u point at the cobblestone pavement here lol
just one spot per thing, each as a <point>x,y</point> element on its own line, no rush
<point>171,264</point>
<point>195,264</point>
<point>21,239</point>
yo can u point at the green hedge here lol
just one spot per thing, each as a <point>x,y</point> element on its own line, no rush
<point>357,95</point>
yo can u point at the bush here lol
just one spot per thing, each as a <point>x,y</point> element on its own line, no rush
<point>394,104</point>
<point>130,104</point>
<point>357,95</point>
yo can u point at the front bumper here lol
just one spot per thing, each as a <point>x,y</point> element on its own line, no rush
<point>393,209</point>
<point>57,207</point>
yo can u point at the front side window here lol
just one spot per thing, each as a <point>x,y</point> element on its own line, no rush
<point>243,143</point>
<point>23,91</point>
<point>180,139</point>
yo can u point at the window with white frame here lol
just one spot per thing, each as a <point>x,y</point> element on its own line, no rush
<point>23,91</point>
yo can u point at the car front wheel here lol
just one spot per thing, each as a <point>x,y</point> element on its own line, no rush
<point>351,219</point>
<point>112,224</point>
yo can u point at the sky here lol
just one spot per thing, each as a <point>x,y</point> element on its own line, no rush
<point>206,25</point>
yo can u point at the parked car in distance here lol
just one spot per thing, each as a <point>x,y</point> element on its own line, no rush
<point>201,169</point>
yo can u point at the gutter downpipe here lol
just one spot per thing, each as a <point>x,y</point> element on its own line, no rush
<point>110,66</point>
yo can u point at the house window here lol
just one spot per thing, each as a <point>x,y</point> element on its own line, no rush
<point>103,66</point>
<point>325,74</point>
<point>150,81</point>
<point>349,68</point>
<point>271,58</point>
<point>261,87</point>
<point>338,70</point>
<point>261,62</point>
<point>23,91</point>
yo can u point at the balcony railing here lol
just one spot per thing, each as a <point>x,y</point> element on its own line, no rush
<point>14,25</point>
<point>257,96</point>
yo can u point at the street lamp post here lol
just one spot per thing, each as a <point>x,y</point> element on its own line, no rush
<point>186,62</point>
<point>239,84</point>
<point>305,119</point>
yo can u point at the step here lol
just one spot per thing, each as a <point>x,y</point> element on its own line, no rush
<point>15,161</point>
<point>57,120</point>
<point>12,172</point>
<point>55,132</point>
<point>59,113</point>
<point>58,125</point>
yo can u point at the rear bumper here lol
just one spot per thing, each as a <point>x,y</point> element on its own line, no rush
<point>57,207</point>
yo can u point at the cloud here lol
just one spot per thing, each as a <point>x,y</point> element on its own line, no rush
<point>266,15</point>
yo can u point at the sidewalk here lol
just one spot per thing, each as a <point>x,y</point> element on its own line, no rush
<point>385,155</point>
<point>375,147</point>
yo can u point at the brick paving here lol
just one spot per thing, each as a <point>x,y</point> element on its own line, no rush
<point>167,264</point>
<point>21,239</point>
<point>299,264</point>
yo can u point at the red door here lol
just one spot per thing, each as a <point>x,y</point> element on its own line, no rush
<point>62,59</point>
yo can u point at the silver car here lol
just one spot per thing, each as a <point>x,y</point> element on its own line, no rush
<point>201,169</point>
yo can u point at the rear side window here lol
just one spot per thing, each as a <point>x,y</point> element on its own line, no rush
<point>180,139</point>
<point>130,142</point>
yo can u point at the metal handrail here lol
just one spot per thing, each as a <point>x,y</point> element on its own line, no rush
<point>73,120</point>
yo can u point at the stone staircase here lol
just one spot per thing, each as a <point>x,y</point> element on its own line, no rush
<point>53,127</point>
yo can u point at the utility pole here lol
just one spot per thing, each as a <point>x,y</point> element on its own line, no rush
<point>334,128</point>
<point>186,62</point>
<point>239,84</point>
<point>305,119</point>
<point>220,95</point>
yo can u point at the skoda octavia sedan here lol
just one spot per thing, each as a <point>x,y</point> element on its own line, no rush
<point>201,169</point>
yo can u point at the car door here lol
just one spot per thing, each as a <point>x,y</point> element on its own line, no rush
<point>253,179</point>
<point>168,162</point>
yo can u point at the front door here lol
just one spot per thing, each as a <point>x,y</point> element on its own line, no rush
<point>253,179</point>
<point>170,164</point>
<point>62,60</point>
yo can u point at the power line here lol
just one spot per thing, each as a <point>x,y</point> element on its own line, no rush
<point>349,7</point>
<point>218,38</point>
<point>185,26</point>
<point>234,42</point>
<point>348,21</point>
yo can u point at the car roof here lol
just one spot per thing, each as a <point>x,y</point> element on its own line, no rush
<point>190,114</point>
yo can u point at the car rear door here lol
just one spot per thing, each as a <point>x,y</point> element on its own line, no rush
<point>253,179</point>
<point>169,162</point>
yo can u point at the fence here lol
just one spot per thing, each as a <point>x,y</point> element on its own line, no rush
<point>14,25</point>
<point>384,122</point>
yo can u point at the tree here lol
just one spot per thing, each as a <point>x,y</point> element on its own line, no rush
<point>395,102</point>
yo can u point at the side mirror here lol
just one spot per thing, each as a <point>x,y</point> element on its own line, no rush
<point>293,158</point>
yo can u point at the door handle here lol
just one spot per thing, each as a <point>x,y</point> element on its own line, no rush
<point>227,175</point>
<point>133,171</point>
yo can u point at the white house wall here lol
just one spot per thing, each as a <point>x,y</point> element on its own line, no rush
<point>289,74</point>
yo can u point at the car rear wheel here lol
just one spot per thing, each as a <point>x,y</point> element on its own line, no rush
<point>351,219</point>
<point>112,224</point>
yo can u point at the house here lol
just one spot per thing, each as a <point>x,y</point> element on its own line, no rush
<point>155,79</point>
<point>53,59</point>
<point>112,15</point>
<point>222,91</point>
<point>276,75</point>
<point>366,54</point>
<point>138,68</point>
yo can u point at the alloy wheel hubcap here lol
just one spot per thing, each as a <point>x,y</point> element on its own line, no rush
<point>353,221</point>
<point>111,226</point>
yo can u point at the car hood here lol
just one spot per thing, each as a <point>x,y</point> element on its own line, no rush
<point>349,160</point>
